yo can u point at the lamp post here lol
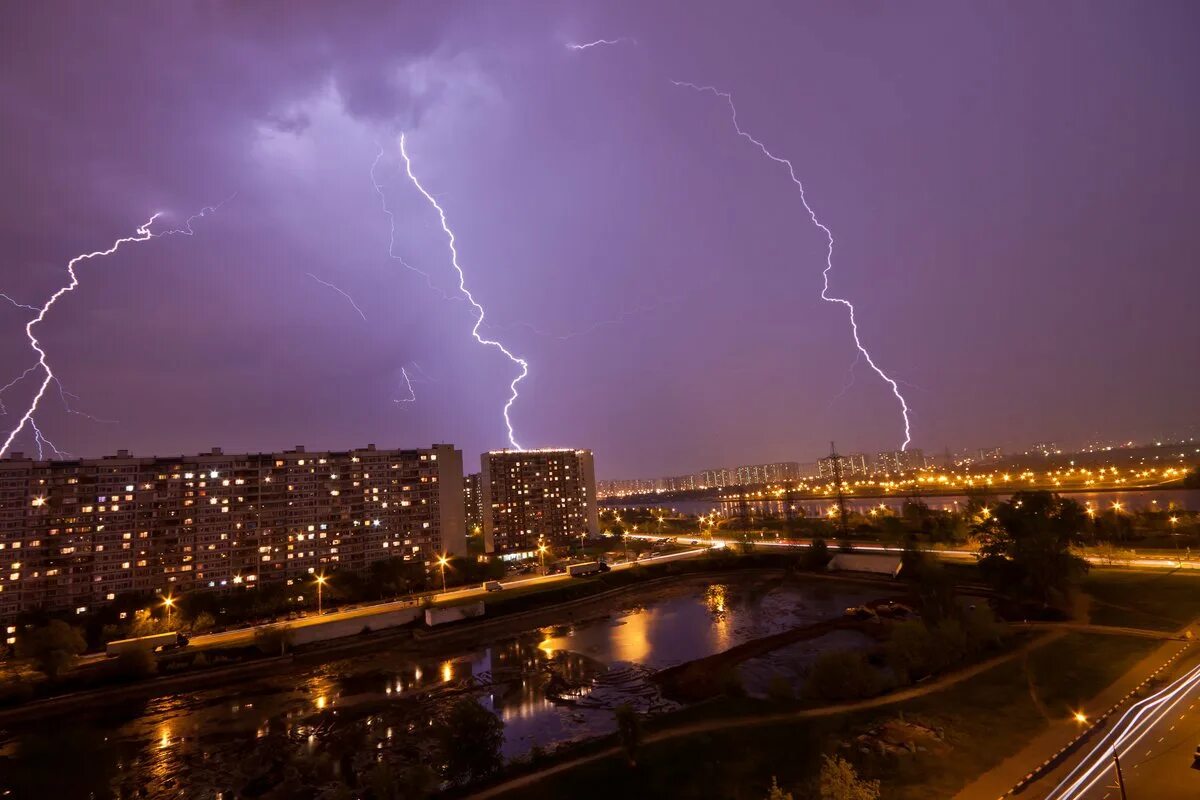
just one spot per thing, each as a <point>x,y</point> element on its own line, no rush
<point>542,557</point>
<point>168,603</point>
<point>320,585</point>
<point>442,562</point>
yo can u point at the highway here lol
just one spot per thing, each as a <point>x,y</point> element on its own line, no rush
<point>1155,561</point>
<point>1155,740</point>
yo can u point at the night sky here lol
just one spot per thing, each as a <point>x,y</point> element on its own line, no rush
<point>1012,189</point>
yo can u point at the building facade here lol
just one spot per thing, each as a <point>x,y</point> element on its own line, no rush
<point>853,464</point>
<point>537,495</point>
<point>900,461</point>
<point>473,502</point>
<point>75,534</point>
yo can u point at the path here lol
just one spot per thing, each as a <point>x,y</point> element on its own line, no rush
<point>709,726</point>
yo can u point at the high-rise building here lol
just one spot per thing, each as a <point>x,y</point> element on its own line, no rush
<point>779,472</point>
<point>532,495</point>
<point>853,464</point>
<point>75,534</point>
<point>899,461</point>
<point>473,502</point>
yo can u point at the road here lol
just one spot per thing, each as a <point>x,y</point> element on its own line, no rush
<point>1154,561</point>
<point>347,622</point>
<point>1155,740</point>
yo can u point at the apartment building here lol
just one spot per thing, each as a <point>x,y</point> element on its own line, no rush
<point>75,534</point>
<point>537,495</point>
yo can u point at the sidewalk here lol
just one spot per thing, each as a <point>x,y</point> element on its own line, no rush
<point>999,780</point>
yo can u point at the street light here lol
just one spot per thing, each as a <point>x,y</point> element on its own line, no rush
<point>320,584</point>
<point>168,603</point>
<point>442,562</point>
<point>542,557</point>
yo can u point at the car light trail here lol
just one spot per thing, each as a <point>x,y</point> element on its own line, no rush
<point>142,234</point>
<point>825,295</point>
<point>462,287</point>
<point>1130,729</point>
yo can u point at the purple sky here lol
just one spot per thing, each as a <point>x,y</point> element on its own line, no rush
<point>1012,189</point>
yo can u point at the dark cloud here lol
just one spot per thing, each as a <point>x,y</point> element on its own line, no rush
<point>1011,190</point>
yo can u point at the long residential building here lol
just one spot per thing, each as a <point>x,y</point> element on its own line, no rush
<point>76,534</point>
<point>537,496</point>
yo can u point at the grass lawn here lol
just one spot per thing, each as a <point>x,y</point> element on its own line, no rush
<point>984,720</point>
<point>1144,599</point>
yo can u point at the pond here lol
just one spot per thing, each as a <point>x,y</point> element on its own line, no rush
<point>549,685</point>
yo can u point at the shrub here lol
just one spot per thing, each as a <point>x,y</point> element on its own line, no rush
<point>52,648</point>
<point>136,663</point>
<point>842,675</point>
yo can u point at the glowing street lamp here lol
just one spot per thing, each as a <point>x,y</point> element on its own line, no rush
<point>542,556</point>
<point>168,603</point>
<point>442,562</point>
<point>321,579</point>
<point>1080,717</point>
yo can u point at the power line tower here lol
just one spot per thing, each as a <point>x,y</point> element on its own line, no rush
<point>841,495</point>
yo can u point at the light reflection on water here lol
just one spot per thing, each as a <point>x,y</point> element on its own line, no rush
<point>341,715</point>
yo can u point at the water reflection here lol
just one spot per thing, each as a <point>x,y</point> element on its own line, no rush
<point>314,724</point>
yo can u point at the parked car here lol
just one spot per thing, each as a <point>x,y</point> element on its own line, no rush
<point>493,586</point>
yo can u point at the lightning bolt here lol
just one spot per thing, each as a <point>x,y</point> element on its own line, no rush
<point>462,287</point>
<point>339,291</point>
<point>142,234</point>
<point>828,254</point>
<point>15,303</point>
<point>600,42</point>
<point>412,395</point>
<point>392,233</point>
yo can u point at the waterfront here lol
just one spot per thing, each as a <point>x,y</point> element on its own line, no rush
<point>549,685</point>
<point>1131,500</point>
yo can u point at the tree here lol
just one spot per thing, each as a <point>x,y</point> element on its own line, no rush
<point>816,556</point>
<point>52,648</point>
<point>1192,479</point>
<point>1025,546</point>
<point>933,586</point>
<point>840,781</point>
<point>470,738</point>
<point>629,731</point>
<point>775,793</point>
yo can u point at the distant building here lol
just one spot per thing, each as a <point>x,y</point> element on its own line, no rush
<point>716,478</point>
<point>990,454</point>
<point>532,495</point>
<point>779,472</point>
<point>1046,449</point>
<point>76,534</point>
<point>853,464</point>
<point>899,461</point>
<point>473,502</point>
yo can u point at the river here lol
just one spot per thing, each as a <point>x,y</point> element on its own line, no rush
<point>1131,500</point>
<point>549,685</point>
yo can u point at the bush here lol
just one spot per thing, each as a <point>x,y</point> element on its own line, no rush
<point>136,663</point>
<point>52,648</point>
<point>273,641</point>
<point>842,675</point>
<point>780,689</point>
<point>469,740</point>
